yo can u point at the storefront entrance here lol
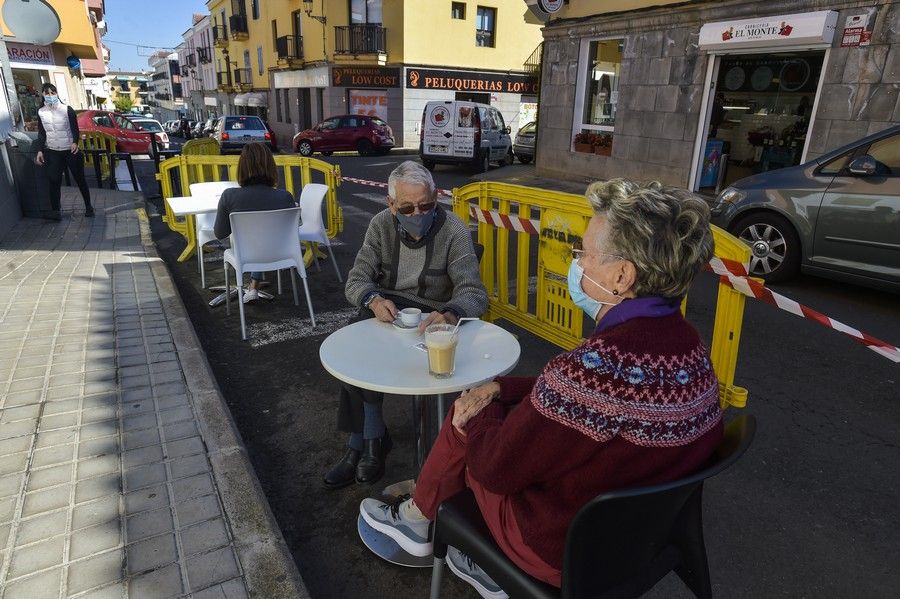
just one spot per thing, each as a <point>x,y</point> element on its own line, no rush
<point>761,111</point>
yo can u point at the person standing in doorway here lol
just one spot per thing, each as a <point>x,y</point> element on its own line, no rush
<point>57,146</point>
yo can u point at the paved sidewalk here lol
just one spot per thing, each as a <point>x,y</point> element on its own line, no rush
<point>121,473</point>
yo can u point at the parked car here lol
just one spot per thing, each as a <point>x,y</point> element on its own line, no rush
<point>457,132</point>
<point>168,127</point>
<point>128,137</point>
<point>273,140</point>
<point>523,146</point>
<point>365,134</point>
<point>234,132</point>
<point>197,129</point>
<point>207,127</point>
<point>836,216</point>
<point>162,139</point>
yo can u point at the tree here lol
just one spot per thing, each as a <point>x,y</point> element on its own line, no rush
<point>123,103</point>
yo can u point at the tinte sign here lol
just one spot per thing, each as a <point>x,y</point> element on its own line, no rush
<point>780,30</point>
<point>365,77</point>
<point>470,82</point>
<point>29,54</point>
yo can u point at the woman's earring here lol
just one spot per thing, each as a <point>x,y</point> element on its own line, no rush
<point>615,292</point>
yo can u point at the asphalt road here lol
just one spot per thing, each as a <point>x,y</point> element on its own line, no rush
<point>810,511</point>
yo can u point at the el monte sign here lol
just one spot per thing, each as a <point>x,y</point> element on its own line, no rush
<point>803,29</point>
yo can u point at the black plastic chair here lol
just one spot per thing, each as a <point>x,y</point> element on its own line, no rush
<point>619,545</point>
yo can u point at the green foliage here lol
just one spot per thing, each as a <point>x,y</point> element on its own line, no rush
<point>123,103</point>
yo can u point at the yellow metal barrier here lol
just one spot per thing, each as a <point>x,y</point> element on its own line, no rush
<point>195,168</point>
<point>97,140</point>
<point>544,225</point>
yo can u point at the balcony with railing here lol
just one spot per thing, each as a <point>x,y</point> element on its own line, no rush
<point>223,81</point>
<point>238,26</point>
<point>360,39</point>
<point>190,60</point>
<point>289,49</point>
<point>243,79</point>
<point>204,55</point>
<point>532,64</point>
<point>220,36</point>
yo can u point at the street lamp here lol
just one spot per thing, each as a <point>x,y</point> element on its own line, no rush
<point>308,7</point>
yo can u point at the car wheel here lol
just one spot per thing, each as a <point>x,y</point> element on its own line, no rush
<point>774,245</point>
<point>364,147</point>
<point>327,153</point>
<point>305,148</point>
<point>524,159</point>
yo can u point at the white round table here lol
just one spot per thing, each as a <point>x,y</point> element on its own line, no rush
<point>377,356</point>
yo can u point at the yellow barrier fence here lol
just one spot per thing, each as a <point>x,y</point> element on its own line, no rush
<point>195,168</point>
<point>527,234</point>
<point>97,140</point>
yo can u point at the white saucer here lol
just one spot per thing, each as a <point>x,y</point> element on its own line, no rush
<point>398,324</point>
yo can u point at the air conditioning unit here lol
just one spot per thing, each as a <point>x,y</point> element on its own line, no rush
<point>101,27</point>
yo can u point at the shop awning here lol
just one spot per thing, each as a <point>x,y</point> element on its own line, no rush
<point>241,99</point>
<point>252,99</point>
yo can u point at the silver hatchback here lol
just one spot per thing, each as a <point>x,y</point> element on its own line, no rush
<point>837,216</point>
<point>234,132</point>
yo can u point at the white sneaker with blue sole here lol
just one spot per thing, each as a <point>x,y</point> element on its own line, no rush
<point>413,535</point>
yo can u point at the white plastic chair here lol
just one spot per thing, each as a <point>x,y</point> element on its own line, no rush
<point>205,222</point>
<point>312,227</point>
<point>262,241</point>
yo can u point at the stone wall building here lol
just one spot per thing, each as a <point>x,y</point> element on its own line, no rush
<point>676,86</point>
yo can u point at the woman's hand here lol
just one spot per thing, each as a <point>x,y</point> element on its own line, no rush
<point>471,402</point>
<point>74,148</point>
<point>39,158</point>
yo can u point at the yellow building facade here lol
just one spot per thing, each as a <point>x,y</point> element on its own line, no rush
<point>33,65</point>
<point>297,63</point>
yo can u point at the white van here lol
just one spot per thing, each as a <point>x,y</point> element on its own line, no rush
<point>458,132</point>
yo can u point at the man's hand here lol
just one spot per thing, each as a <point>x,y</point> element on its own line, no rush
<point>437,318</point>
<point>384,309</point>
<point>74,148</point>
<point>39,158</point>
<point>471,402</point>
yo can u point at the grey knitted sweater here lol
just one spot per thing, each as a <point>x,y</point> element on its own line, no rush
<point>440,270</point>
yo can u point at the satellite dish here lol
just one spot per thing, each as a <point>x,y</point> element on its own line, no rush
<point>32,21</point>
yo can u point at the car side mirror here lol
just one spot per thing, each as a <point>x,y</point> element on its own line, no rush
<point>863,166</point>
<point>507,130</point>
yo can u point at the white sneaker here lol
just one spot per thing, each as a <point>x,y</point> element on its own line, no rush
<point>463,566</point>
<point>251,295</point>
<point>413,536</point>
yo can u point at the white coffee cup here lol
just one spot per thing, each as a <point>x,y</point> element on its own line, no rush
<point>410,317</point>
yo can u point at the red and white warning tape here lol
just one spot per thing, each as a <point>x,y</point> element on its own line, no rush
<point>492,217</point>
<point>445,192</point>
<point>757,290</point>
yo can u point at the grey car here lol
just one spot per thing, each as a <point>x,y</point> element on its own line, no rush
<point>234,132</point>
<point>523,146</point>
<point>837,216</point>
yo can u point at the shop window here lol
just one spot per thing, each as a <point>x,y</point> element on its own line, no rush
<point>458,10</point>
<point>597,95</point>
<point>485,25</point>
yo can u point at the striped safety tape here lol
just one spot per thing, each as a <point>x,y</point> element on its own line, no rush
<point>445,192</point>
<point>757,290</point>
<point>492,217</point>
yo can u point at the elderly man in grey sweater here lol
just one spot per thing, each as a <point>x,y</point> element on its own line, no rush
<point>415,255</point>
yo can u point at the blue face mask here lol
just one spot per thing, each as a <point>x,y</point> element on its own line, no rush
<point>416,225</point>
<point>582,299</point>
<point>50,100</point>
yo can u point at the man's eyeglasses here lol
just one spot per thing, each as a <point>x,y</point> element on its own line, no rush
<point>407,209</point>
<point>578,251</point>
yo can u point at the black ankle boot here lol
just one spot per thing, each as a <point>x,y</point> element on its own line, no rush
<point>371,464</point>
<point>344,472</point>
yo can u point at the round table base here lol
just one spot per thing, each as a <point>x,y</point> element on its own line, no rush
<point>382,545</point>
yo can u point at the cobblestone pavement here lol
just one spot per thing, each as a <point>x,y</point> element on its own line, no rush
<point>111,477</point>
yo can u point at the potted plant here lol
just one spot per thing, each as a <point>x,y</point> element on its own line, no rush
<point>602,144</point>
<point>583,142</point>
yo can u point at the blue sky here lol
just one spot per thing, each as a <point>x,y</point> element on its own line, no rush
<point>154,24</point>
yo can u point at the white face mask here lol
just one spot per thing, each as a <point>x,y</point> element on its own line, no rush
<point>580,297</point>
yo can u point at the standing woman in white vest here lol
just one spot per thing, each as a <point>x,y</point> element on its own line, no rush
<point>57,146</point>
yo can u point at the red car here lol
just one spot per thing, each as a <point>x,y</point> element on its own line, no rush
<point>129,136</point>
<point>365,134</point>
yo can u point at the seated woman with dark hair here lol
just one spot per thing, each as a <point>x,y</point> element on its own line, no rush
<point>257,176</point>
<point>637,403</point>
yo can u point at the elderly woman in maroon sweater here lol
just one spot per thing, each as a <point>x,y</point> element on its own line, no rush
<point>635,404</point>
